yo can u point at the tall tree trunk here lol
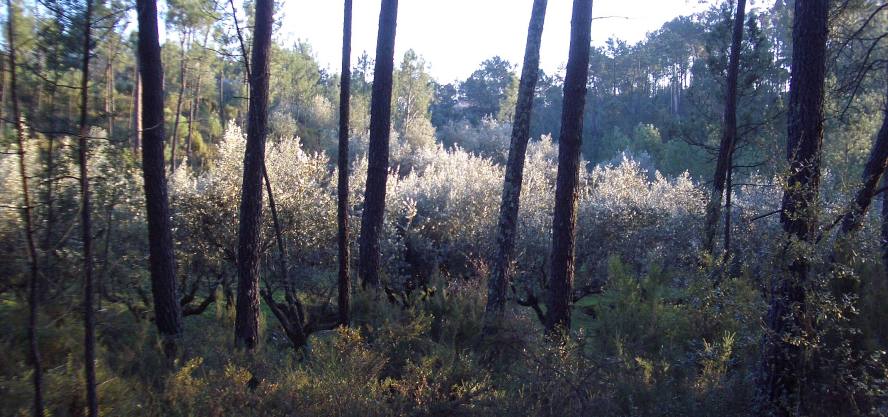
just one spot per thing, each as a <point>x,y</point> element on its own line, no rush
<point>162,261</point>
<point>378,154</point>
<point>246,332</point>
<point>137,108</point>
<point>3,93</point>
<point>86,223</point>
<point>183,79</point>
<point>195,101</point>
<point>872,172</point>
<point>511,197</point>
<point>342,184</point>
<point>27,214</point>
<point>109,94</point>
<point>729,135</point>
<point>787,314</point>
<point>564,223</point>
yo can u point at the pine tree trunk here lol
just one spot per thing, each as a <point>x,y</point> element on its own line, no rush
<point>872,172</point>
<point>246,332</point>
<point>183,79</point>
<point>342,184</point>
<point>137,109</point>
<point>378,154</point>
<point>564,223</point>
<point>89,343</point>
<point>194,107</point>
<point>507,227</point>
<point>27,214</point>
<point>787,314</point>
<point>729,135</point>
<point>162,261</point>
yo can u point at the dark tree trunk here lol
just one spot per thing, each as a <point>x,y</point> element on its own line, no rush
<point>342,185</point>
<point>872,172</point>
<point>729,135</point>
<point>787,314</point>
<point>378,154</point>
<point>183,80</point>
<point>89,343</point>
<point>246,331</point>
<point>511,197</point>
<point>162,261</point>
<point>564,223</point>
<point>27,214</point>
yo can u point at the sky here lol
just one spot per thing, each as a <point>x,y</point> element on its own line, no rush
<point>455,36</point>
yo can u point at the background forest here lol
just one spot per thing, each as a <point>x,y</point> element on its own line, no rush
<point>671,307</point>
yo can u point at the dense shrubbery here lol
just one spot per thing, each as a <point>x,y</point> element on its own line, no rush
<point>669,335</point>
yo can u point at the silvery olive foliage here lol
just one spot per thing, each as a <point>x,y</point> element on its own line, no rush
<point>442,206</point>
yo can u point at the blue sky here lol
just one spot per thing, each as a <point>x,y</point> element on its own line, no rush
<point>454,36</point>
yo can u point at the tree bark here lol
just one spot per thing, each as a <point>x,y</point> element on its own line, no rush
<point>729,135</point>
<point>86,223</point>
<point>787,314</point>
<point>564,222</point>
<point>342,184</point>
<point>507,227</point>
<point>246,332</point>
<point>27,215</point>
<point>162,261</point>
<point>378,154</point>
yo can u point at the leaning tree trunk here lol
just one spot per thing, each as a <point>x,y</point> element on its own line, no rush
<point>875,167</point>
<point>27,215</point>
<point>564,223</point>
<point>508,220</point>
<point>378,154</point>
<point>729,136</point>
<point>787,313</point>
<point>89,343</point>
<point>342,184</point>
<point>246,330</point>
<point>162,261</point>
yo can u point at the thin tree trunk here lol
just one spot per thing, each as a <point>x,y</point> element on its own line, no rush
<point>729,135</point>
<point>3,92</point>
<point>729,187</point>
<point>508,219</point>
<point>872,172</point>
<point>342,184</point>
<point>246,332</point>
<point>784,361</point>
<point>195,102</point>
<point>564,223</point>
<point>86,223</point>
<point>137,108</point>
<point>183,79</point>
<point>162,261</point>
<point>109,95</point>
<point>378,154</point>
<point>27,214</point>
